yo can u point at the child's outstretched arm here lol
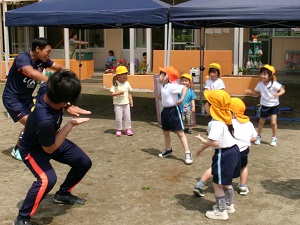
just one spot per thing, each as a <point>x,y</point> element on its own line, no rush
<point>252,93</point>
<point>63,133</point>
<point>183,94</point>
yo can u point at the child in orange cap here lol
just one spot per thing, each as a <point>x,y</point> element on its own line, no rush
<point>214,82</point>
<point>170,116</point>
<point>226,160</point>
<point>122,100</point>
<point>269,90</point>
<point>187,107</point>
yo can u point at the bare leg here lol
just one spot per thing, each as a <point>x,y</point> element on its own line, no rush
<point>206,175</point>
<point>273,122</point>
<point>167,139</point>
<point>244,175</point>
<point>261,125</point>
<point>183,140</point>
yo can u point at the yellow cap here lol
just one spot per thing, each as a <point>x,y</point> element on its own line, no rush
<point>238,107</point>
<point>220,105</point>
<point>269,67</point>
<point>214,66</point>
<point>121,70</point>
<point>186,75</point>
<point>171,72</point>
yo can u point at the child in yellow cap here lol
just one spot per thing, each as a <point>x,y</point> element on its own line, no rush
<point>187,107</point>
<point>170,116</point>
<point>122,100</point>
<point>269,90</point>
<point>226,160</point>
<point>214,82</point>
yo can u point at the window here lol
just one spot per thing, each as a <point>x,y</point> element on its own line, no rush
<point>182,37</point>
<point>140,38</point>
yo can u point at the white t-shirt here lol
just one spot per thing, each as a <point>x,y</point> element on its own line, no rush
<point>121,99</point>
<point>218,131</point>
<point>243,132</point>
<point>214,85</point>
<point>169,94</point>
<point>266,93</point>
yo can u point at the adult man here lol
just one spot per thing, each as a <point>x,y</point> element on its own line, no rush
<point>73,42</point>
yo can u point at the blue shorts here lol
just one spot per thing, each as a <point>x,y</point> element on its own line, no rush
<point>265,111</point>
<point>17,109</point>
<point>244,157</point>
<point>171,119</point>
<point>226,165</point>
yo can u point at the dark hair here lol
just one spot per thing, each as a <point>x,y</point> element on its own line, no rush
<point>111,52</point>
<point>262,70</point>
<point>40,42</point>
<point>63,86</point>
<point>214,70</point>
<point>144,53</point>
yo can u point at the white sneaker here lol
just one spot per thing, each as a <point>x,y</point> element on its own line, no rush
<point>188,158</point>
<point>243,190</point>
<point>273,141</point>
<point>229,208</point>
<point>258,140</point>
<point>217,215</point>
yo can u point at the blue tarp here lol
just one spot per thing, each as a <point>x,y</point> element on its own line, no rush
<point>237,13</point>
<point>87,14</point>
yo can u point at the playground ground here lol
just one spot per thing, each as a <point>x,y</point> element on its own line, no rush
<point>129,184</point>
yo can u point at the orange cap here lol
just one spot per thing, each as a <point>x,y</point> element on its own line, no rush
<point>220,105</point>
<point>171,72</point>
<point>238,108</point>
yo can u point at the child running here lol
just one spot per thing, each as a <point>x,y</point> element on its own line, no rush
<point>170,116</point>
<point>226,160</point>
<point>122,100</point>
<point>269,90</point>
<point>245,134</point>
<point>214,82</point>
<point>187,107</point>
<point>43,140</point>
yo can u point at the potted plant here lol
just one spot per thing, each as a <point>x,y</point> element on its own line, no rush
<point>242,70</point>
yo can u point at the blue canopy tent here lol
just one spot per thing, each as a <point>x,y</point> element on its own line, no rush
<point>235,13</point>
<point>90,14</point>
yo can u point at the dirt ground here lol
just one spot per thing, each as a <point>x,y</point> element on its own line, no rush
<point>129,184</point>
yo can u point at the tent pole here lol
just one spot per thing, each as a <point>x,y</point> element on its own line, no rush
<point>80,65</point>
<point>166,45</point>
<point>202,68</point>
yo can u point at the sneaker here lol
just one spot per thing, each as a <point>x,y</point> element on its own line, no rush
<point>128,132</point>
<point>16,154</point>
<point>187,130</point>
<point>243,190</point>
<point>229,208</point>
<point>118,133</point>
<point>68,199</point>
<point>217,215</point>
<point>198,191</point>
<point>258,140</point>
<point>22,222</point>
<point>165,153</point>
<point>188,158</point>
<point>273,141</point>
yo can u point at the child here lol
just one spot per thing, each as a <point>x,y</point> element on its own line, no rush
<point>214,82</point>
<point>44,140</point>
<point>226,160</point>
<point>269,91</point>
<point>114,64</point>
<point>122,100</point>
<point>187,107</point>
<point>245,134</point>
<point>170,116</point>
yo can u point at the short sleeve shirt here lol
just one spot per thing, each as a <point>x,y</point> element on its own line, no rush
<point>19,86</point>
<point>42,125</point>
<point>218,131</point>
<point>267,92</point>
<point>169,94</point>
<point>121,99</point>
<point>190,95</point>
<point>243,132</point>
<point>214,85</point>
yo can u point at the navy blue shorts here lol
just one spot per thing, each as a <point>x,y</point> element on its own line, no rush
<point>265,111</point>
<point>244,157</point>
<point>171,119</point>
<point>226,165</point>
<point>17,109</point>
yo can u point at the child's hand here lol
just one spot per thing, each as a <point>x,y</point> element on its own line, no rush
<point>77,111</point>
<point>121,92</point>
<point>199,137</point>
<point>248,91</point>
